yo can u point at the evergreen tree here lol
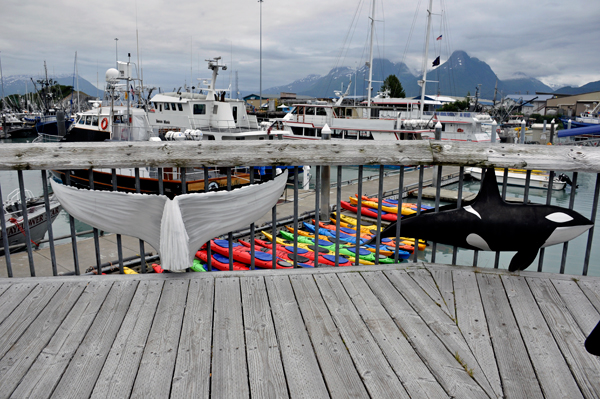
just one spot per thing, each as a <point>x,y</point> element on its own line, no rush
<point>392,83</point>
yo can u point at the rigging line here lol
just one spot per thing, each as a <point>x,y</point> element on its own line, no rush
<point>345,44</point>
<point>412,29</point>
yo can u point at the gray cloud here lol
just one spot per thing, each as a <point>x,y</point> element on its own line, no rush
<point>553,41</point>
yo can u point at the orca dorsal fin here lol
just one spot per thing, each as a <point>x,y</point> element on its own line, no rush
<point>488,192</point>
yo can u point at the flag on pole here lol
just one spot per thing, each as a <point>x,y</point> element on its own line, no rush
<point>439,37</point>
<point>436,62</point>
<point>132,92</point>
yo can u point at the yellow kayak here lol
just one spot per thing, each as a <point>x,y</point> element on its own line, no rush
<point>390,209</point>
<point>405,240</point>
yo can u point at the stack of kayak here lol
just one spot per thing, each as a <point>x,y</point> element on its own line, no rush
<point>389,208</point>
<point>309,246</point>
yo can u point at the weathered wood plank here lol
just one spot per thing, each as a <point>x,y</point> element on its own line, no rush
<point>471,320</point>
<point>23,353</point>
<point>80,376</point>
<point>425,280</point>
<point>12,297</point>
<point>155,372</point>
<point>580,307</point>
<point>413,373</point>
<point>591,289</point>
<point>550,367</point>
<point>4,287</point>
<point>121,367</point>
<point>569,337</point>
<point>229,368</point>
<point>301,367</point>
<point>343,379</point>
<point>24,314</point>
<point>44,374</point>
<point>289,152</point>
<point>265,369</point>
<point>444,366</point>
<point>192,368</point>
<point>439,322</point>
<point>516,371</point>
<point>444,281</point>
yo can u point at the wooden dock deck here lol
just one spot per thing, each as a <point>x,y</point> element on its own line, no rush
<point>397,331</point>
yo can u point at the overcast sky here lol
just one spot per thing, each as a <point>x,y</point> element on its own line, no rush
<point>554,41</point>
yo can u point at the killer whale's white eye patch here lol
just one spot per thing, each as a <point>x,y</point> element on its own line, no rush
<point>559,217</point>
<point>471,210</point>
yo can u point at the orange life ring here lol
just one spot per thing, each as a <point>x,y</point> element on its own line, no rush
<point>104,123</point>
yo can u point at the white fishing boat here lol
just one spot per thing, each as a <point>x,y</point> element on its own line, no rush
<point>208,112</point>
<point>386,119</point>
<point>37,218</point>
<point>517,177</point>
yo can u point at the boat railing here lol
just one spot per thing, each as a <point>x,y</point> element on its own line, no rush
<point>417,165</point>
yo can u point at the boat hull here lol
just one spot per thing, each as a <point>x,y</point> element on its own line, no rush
<point>518,179</point>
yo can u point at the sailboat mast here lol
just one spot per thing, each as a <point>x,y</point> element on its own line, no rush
<point>371,60</point>
<point>423,82</point>
<point>2,77</point>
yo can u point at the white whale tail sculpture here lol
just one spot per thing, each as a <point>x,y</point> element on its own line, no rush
<point>176,228</point>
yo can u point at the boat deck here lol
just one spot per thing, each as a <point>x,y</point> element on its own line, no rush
<point>401,331</point>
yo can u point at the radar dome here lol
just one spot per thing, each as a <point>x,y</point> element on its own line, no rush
<point>111,75</point>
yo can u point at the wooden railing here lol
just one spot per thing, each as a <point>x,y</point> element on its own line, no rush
<point>70,156</point>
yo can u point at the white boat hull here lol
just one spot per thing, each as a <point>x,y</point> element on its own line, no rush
<point>518,179</point>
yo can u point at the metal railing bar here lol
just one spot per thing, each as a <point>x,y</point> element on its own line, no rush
<point>379,213</point>
<point>142,250</point>
<point>73,233</point>
<point>338,207</point>
<point>119,242</point>
<point>295,217</point>
<point>252,228</point>
<point>95,230</point>
<point>461,182</point>
<point>588,248</point>
<point>26,222</point>
<point>49,222</point>
<point>208,248</point>
<point>229,235</point>
<point>358,230</point>
<point>399,222</point>
<point>317,208</point>
<point>419,199</point>
<point>438,188</point>
<point>548,202</point>
<point>9,272</point>
<point>563,260</point>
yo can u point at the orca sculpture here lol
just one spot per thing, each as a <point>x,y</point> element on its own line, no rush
<point>175,228</point>
<point>592,342</point>
<point>488,223</point>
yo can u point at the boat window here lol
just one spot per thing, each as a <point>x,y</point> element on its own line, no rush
<point>337,134</point>
<point>234,112</point>
<point>295,110</point>
<point>297,130</point>
<point>179,106</point>
<point>199,109</point>
<point>309,132</point>
<point>173,107</point>
<point>95,120</point>
<point>215,109</point>
<point>365,136</point>
<point>160,107</point>
<point>81,120</point>
<point>88,120</point>
<point>321,111</point>
<point>166,106</point>
<point>310,110</point>
<point>319,132</point>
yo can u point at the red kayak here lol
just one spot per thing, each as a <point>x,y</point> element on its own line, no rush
<point>323,257</point>
<point>219,262</point>
<point>242,254</point>
<point>390,217</point>
<point>303,261</point>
